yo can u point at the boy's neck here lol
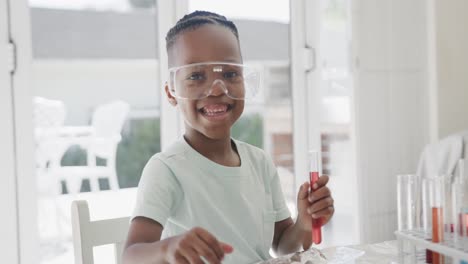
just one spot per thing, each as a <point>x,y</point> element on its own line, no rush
<point>222,151</point>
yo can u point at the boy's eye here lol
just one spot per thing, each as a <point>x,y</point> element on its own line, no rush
<point>196,76</point>
<point>231,74</point>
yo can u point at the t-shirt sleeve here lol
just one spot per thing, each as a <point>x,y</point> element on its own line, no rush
<point>158,192</point>
<point>279,203</point>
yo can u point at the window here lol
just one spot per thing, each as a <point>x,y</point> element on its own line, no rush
<point>96,109</point>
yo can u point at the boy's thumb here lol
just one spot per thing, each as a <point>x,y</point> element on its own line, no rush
<point>226,248</point>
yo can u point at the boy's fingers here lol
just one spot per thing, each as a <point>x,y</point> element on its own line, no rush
<point>303,191</point>
<point>320,205</point>
<point>191,256</point>
<point>226,248</point>
<point>181,259</point>
<point>319,194</point>
<point>326,212</point>
<point>211,242</point>
<point>208,253</point>
<point>322,181</point>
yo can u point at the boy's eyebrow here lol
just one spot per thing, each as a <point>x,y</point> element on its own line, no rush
<point>231,60</point>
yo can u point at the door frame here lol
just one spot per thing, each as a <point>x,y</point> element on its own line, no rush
<point>172,125</point>
<point>21,144</point>
<point>305,81</point>
<point>8,200</point>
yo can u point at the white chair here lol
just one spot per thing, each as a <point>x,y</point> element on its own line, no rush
<point>48,113</point>
<point>49,117</point>
<point>107,121</point>
<point>99,140</point>
<point>88,234</point>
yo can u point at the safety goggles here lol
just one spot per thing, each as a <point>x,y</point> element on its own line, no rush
<point>200,80</point>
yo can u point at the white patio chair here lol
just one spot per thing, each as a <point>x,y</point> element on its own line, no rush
<point>88,234</point>
<point>49,117</point>
<point>101,140</point>
<point>107,121</point>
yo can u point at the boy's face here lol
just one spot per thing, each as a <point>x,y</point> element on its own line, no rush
<point>214,115</point>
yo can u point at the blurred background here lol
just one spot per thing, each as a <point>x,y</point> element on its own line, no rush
<point>368,83</point>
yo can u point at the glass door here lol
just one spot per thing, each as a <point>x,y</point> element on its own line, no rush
<point>322,92</point>
<point>96,111</point>
<point>335,124</point>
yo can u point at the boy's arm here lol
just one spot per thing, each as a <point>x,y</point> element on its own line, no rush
<point>144,245</point>
<point>143,242</point>
<point>289,237</point>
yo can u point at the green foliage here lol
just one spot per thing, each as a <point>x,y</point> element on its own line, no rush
<point>75,156</point>
<point>249,128</point>
<point>143,3</point>
<point>135,149</point>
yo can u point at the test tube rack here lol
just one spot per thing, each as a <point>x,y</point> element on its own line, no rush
<point>447,248</point>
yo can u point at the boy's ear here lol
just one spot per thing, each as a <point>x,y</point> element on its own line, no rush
<point>172,100</point>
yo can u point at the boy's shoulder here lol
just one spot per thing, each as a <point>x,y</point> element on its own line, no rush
<point>175,149</point>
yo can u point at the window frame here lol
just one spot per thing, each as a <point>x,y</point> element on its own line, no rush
<point>20,218</point>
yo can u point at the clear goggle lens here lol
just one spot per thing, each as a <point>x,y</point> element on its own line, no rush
<point>200,80</point>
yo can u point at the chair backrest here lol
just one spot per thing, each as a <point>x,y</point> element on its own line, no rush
<point>108,119</point>
<point>48,113</point>
<point>89,234</point>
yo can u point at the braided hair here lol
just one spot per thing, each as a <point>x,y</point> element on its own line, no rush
<point>195,20</point>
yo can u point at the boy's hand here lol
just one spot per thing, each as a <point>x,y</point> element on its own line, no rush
<point>315,204</point>
<point>194,244</point>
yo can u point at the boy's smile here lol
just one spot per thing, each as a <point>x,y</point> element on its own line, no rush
<point>215,112</point>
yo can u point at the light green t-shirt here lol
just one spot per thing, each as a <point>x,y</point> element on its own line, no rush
<point>181,189</point>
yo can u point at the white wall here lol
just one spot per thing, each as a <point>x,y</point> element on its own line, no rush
<point>451,37</point>
<point>390,105</point>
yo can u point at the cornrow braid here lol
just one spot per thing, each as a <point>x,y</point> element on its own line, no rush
<point>195,20</point>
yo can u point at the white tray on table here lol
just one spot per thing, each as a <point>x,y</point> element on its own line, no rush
<point>378,253</point>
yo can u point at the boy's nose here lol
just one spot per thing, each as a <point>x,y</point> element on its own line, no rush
<point>218,88</point>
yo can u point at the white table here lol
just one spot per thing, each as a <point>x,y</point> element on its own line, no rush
<point>378,253</point>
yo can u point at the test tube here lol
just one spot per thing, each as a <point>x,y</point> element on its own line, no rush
<point>437,202</point>
<point>313,177</point>
<point>460,206</point>
<point>426,219</point>
<point>447,210</point>
<point>460,210</point>
<point>407,199</point>
<point>449,220</point>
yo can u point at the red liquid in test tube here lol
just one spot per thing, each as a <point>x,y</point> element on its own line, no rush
<point>466,223</point>
<point>463,229</point>
<point>313,177</point>
<point>437,233</point>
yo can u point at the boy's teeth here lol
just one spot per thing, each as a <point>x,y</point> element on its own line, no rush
<point>212,109</point>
